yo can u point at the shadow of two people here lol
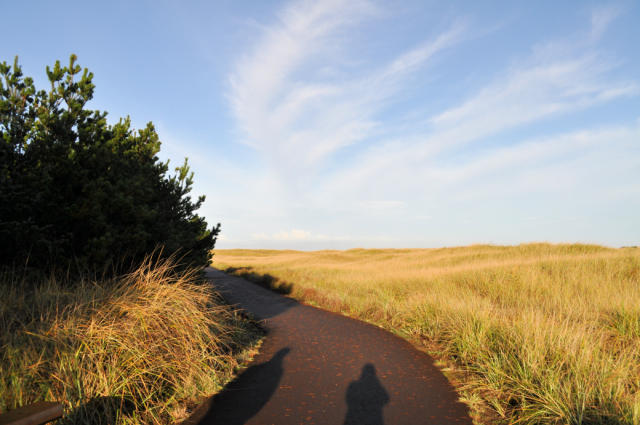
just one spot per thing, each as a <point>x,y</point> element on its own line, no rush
<point>244,397</point>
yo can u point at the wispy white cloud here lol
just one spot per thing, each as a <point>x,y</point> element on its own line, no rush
<point>542,86</point>
<point>602,17</point>
<point>298,117</point>
<point>604,159</point>
<point>300,101</point>
<point>534,155</point>
<point>415,58</point>
<point>264,89</point>
<point>534,91</point>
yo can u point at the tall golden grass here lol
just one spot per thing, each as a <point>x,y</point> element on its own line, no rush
<point>532,334</point>
<point>139,349</point>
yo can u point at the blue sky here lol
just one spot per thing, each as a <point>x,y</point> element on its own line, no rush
<point>362,123</point>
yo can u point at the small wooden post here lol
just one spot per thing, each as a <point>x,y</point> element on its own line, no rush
<point>32,414</point>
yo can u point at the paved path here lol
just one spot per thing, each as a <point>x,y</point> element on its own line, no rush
<point>317,367</point>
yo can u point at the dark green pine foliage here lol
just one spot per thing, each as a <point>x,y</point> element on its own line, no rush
<point>77,193</point>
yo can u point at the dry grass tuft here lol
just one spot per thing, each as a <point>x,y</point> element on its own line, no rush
<point>139,349</point>
<point>537,333</point>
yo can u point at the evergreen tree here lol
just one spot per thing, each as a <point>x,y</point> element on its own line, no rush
<point>79,193</point>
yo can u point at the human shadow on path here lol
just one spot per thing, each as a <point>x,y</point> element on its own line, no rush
<point>365,399</point>
<point>244,397</point>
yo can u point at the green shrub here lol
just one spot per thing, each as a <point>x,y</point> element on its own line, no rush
<point>77,193</point>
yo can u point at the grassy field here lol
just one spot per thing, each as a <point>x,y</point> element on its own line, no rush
<point>533,334</point>
<point>140,349</point>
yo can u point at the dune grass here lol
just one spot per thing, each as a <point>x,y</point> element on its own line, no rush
<point>531,334</point>
<point>144,348</point>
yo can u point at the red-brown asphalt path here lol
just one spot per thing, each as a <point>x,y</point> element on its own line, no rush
<point>317,367</point>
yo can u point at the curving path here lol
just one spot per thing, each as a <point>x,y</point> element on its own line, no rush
<point>317,367</point>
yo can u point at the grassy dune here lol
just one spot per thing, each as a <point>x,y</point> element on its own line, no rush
<point>139,349</point>
<point>535,334</point>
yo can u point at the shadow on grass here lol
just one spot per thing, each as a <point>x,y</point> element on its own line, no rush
<point>107,410</point>
<point>265,280</point>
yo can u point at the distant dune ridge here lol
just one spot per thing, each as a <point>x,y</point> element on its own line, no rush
<point>535,333</point>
